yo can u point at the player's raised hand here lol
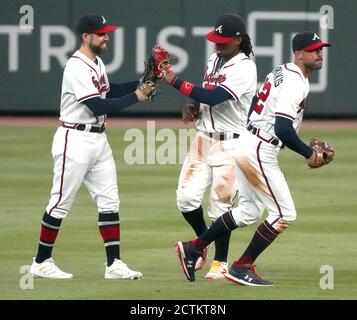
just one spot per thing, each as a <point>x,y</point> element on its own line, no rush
<point>162,62</point>
<point>146,90</point>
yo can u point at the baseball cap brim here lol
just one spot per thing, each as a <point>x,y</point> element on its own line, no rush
<point>213,37</point>
<point>316,45</point>
<point>106,29</point>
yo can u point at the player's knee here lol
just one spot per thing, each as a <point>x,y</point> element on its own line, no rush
<point>186,202</point>
<point>111,208</point>
<point>290,216</point>
<point>106,205</point>
<point>244,217</point>
<point>59,214</point>
<point>283,223</point>
<point>214,215</point>
<point>223,192</point>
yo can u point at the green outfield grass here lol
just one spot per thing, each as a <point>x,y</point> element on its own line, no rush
<point>325,232</point>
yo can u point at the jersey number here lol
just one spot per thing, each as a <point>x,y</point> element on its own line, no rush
<point>263,96</point>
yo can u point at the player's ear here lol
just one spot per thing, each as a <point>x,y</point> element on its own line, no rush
<point>239,40</point>
<point>299,54</point>
<point>85,37</point>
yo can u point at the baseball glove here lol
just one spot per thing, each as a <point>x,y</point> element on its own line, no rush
<point>148,89</point>
<point>190,112</point>
<point>323,153</point>
<point>161,58</point>
<point>149,72</point>
<point>148,81</point>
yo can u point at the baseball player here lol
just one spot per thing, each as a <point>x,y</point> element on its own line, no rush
<point>220,106</point>
<point>274,121</point>
<point>81,152</point>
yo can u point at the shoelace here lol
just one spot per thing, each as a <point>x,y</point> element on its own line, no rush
<point>252,270</point>
<point>125,268</point>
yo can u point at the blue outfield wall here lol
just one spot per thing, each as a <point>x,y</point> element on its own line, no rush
<point>32,60</point>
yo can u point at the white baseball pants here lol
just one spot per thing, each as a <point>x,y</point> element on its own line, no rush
<point>209,162</point>
<point>261,183</point>
<point>81,156</point>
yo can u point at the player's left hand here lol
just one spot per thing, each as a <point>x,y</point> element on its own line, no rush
<point>163,68</point>
<point>146,91</point>
<point>323,153</point>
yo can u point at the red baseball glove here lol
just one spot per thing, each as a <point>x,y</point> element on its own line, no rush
<point>161,58</point>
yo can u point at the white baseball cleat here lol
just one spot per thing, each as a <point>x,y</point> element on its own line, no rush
<point>48,269</point>
<point>119,270</point>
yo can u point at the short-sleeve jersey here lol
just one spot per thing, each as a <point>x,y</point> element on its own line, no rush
<point>283,94</point>
<point>238,76</point>
<point>83,79</point>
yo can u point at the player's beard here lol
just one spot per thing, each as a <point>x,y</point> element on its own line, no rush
<point>315,65</point>
<point>98,49</point>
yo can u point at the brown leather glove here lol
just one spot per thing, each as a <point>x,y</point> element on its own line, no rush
<point>190,113</point>
<point>323,153</point>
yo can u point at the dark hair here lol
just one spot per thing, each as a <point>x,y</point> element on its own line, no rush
<point>246,45</point>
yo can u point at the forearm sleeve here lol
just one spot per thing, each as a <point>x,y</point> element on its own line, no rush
<point>207,96</point>
<point>103,106</point>
<point>285,131</point>
<point>121,89</point>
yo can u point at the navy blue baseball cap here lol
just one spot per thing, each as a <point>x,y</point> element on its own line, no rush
<point>227,27</point>
<point>308,41</point>
<point>93,23</point>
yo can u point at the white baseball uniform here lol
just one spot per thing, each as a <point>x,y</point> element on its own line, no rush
<point>82,156</point>
<point>208,161</point>
<point>261,183</point>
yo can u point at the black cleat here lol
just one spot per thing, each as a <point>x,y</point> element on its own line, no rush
<point>245,274</point>
<point>188,258</point>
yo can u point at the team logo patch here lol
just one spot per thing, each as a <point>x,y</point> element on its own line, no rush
<point>214,78</point>
<point>219,28</point>
<point>104,21</point>
<point>315,37</point>
<point>100,85</point>
<point>188,85</point>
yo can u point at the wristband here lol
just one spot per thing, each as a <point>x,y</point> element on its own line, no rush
<point>186,88</point>
<point>183,86</point>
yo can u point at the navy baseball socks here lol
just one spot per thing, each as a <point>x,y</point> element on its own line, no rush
<point>222,246</point>
<point>263,237</point>
<point>219,264</point>
<point>196,220</point>
<point>48,234</point>
<point>189,252</point>
<point>222,226</point>
<point>109,228</point>
<point>243,271</point>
